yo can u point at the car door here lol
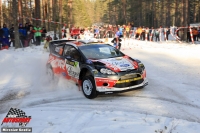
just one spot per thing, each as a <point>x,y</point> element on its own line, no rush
<point>73,61</point>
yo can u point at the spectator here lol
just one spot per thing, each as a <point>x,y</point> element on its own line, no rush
<point>30,35</point>
<point>27,27</point>
<point>117,42</point>
<point>143,34</point>
<point>101,32</point>
<point>147,33</point>
<point>44,31</point>
<point>22,35</point>
<point>1,37</point>
<point>195,33</point>
<point>157,35</point>
<point>168,32</point>
<point>48,39</point>
<point>5,40</point>
<point>37,33</point>
<point>12,37</point>
<point>86,33</point>
<point>121,31</point>
<point>151,32</point>
<point>188,35</point>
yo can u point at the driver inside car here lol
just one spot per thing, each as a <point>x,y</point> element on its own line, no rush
<point>75,55</point>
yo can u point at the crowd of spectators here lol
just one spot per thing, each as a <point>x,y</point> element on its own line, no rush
<point>127,31</point>
<point>28,34</point>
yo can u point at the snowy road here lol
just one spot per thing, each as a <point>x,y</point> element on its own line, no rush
<point>173,90</point>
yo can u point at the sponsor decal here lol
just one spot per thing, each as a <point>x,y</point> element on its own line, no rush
<point>16,116</point>
<point>55,62</point>
<point>118,65</point>
<point>61,64</point>
<point>101,81</point>
<point>76,64</point>
<point>124,65</point>
<point>72,72</point>
<point>70,62</point>
<point>89,61</point>
<point>64,74</point>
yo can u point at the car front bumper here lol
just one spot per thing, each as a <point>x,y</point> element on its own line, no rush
<point>107,90</point>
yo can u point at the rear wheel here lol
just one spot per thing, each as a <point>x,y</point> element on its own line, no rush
<point>89,87</point>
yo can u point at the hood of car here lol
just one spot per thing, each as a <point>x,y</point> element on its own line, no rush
<point>118,64</point>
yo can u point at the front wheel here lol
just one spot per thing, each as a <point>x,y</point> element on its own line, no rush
<point>89,87</point>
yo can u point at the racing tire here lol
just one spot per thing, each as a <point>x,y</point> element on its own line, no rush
<point>89,87</point>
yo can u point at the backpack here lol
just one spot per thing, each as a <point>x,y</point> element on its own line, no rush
<point>157,33</point>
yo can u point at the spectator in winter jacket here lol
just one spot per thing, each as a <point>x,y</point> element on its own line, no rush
<point>117,42</point>
<point>12,37</point>
<point>1,35</point>
<point>44,31</point>
<point>157,35</point>
<point>5,40</point>
<point>22,34</point>
<point>195,33</point>
<point>151,32</point>
<point>37,33</point>
<point>5,31</point>
<point>143,33</point>
<point>48,39</point>
<point>30,35</point>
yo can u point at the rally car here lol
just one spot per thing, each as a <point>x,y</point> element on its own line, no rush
<point>95,67</point>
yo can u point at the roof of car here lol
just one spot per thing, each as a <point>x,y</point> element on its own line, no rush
<point>90,41</point>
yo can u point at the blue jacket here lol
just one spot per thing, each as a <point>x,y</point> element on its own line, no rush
<point>121,31</point>
<point>22,31</point>
<point>5,32</point>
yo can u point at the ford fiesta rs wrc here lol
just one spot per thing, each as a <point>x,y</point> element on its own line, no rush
<point>95,67</point>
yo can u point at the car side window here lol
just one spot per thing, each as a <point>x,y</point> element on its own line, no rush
<point>72,52</point>
<point>59,50</point>
<point>75,54</point>
<point>66,50</point>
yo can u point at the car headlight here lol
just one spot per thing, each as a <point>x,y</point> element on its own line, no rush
<point>106,71</point>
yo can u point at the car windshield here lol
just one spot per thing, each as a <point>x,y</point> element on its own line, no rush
<point>100,51</point>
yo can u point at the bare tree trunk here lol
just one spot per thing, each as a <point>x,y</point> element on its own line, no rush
<point>195,12</point>
<point>186,16</point>
<point>20,11</point>
<point>124,11</point>
<point>1,14</point>
<point>140,12</point>
<point>54,16</point>
<point>49,16</point>
<point>26,10</point>
<point>175,13</point>
<point>199,11</point>
<point>70,13</point>
<point>168,14</point>
<point>15,13</point>
<point>45,11</point>
<point>60,18</point>
<point>37,11</point>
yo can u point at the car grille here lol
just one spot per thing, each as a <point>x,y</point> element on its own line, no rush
<point>121,83</point>
<point>130,75</point>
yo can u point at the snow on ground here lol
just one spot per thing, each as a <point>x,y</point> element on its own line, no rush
<point>170,103</point>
